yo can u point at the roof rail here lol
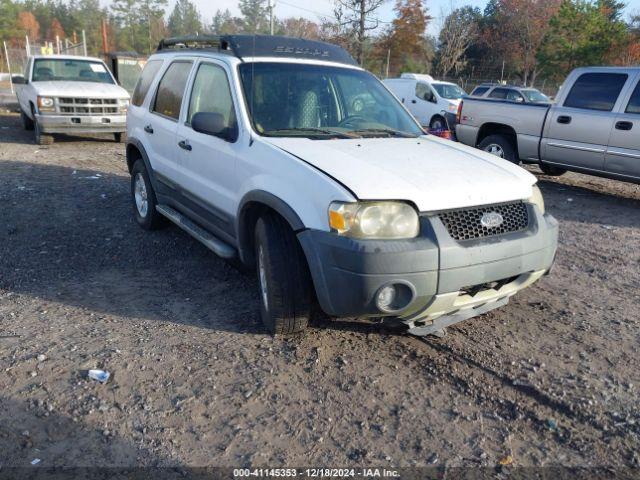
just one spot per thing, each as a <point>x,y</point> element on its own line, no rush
<point>260,46</point>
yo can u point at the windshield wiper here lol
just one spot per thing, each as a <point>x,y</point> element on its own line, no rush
<point>388,131</point>
<point>309,130</point>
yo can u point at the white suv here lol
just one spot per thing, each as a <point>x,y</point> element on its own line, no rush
<point>283,154</point>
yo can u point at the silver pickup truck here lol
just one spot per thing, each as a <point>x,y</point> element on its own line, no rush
<point>593,127</point>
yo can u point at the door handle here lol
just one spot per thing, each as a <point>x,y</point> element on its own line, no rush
<point>148,129</point>
<point>184,145</point>
<point>564,119</point>
<point>624,125</point>
<point>413,101</point>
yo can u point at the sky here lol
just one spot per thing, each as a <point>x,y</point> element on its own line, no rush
<point>315,9</point>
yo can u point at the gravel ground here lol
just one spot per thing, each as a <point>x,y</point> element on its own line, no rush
<point>550,379</point>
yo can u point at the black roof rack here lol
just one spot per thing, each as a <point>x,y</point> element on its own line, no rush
<point>260,46</point>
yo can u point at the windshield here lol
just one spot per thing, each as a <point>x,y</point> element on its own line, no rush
<point>535,96</point>
<point>449,91</point>
<point>316,101</point>
<point>58,69</point>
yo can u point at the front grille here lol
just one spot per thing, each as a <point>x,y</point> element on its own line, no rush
<point>87,106</point>
<point>466,224</point>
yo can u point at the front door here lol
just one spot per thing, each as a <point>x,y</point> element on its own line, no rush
<point>578,130</point>
<point>208,162</point>
<point>623,154</point>
<point>424,105</point>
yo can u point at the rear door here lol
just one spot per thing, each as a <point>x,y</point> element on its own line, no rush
<point>577,132</point>
<point>161,122</point>
<point>623,153</point>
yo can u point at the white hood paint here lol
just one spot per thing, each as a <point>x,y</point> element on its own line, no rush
<point>79,89</point>
<point>433,173</point>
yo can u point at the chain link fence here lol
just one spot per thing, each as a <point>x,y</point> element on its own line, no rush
<point>15,53</point>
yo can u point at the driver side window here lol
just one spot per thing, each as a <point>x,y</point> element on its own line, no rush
<point>423,92</point>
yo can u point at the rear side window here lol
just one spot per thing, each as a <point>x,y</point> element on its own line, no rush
<point>596,91</point>
<point>499,93</point>
<point>480,91</point>
<point>634,102</point>
<point>171,89</point>
<point>144,82</point>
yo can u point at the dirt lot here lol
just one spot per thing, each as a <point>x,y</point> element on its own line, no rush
<point>551,379</point>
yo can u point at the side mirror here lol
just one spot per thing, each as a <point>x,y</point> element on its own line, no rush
<point>213,124</point>
<point>18,80</point>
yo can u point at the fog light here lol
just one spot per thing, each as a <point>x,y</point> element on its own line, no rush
<point>394,297</point>
<point>386,297</point>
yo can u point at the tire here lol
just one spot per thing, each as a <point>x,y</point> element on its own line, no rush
<point>501,146</point>
<point>143,199</point>
<point>119,137</point>
<point>552,171</point>
<point>437,123</point>
<point>27,123</point>
<point>283,277</point>
<point>39,137</point>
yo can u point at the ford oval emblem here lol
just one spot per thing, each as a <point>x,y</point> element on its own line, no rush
<point>491,220</point>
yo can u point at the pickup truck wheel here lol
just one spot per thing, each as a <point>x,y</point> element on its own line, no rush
<point>39,137</point>
<point>500,146</point>
<point>551,170</point>
<point>27,123</point>
<point>144,199</point>
<point>118,137</point>
<point>283,277</point>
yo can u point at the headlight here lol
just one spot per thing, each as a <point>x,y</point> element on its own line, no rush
<point>45,104</point>
<point>537,199</point>
<point>374,220</point>
<point>123,105</point>
<point>453,108</point>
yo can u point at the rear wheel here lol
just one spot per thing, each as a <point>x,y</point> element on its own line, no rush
<point>551,170</point>
<point>144,199</point>
<point>118,137</point>
<point>283,277</point>
<point>500,146</point>
<point>27,123</point>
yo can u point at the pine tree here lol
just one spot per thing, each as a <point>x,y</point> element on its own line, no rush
<point>185,19</point>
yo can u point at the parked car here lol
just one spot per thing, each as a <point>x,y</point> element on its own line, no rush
<point>305,167</point>
<point>591,128</point>
<point>433,103</point>
<point>70,94</point>
<point>510,93</point>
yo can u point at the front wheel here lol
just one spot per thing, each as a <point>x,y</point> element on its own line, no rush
<point>500,146</point>
<point>437,123</point>
<point>283,277</point>
<point>551,170</point>
<point>39,137</point>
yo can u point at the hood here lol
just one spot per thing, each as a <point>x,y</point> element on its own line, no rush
<point>433,173</point>
<point>80,89</point>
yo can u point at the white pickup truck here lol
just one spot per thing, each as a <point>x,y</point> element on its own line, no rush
<point>70,94</point>
<point>285,156</point>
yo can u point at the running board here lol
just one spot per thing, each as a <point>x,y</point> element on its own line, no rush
<point>213,243</point>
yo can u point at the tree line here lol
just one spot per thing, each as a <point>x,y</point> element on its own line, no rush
<point>522,39</point>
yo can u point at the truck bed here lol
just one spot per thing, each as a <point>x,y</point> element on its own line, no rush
<point>481,117</point>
